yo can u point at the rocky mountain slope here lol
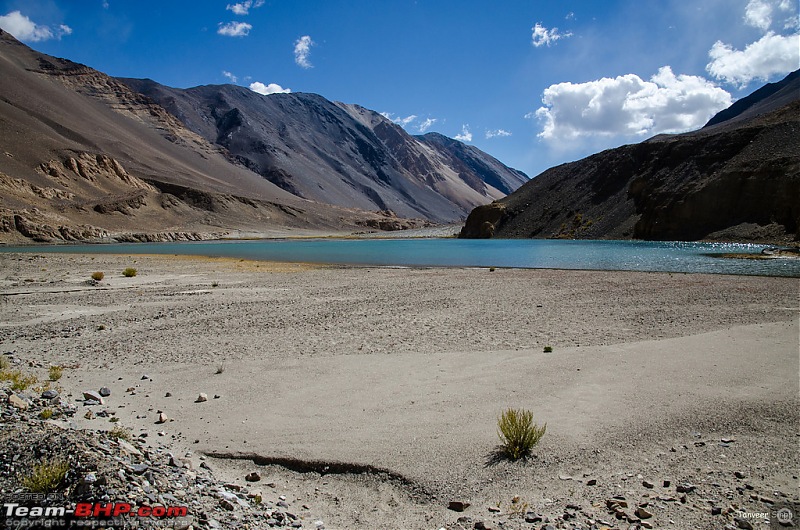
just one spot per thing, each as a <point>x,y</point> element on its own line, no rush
<point>84,157</point>
<point>738,178</point>
<point>338,153</point>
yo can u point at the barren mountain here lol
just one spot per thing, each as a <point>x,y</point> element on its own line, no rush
<point>738,178</point>
<point>84,157</point>
<point>338,153</point>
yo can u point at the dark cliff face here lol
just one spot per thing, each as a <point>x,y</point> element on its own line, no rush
<point>337,153</point>
<point>737,179</point>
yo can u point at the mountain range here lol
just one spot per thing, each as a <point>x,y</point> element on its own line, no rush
<point>737,178</point>
<point>86,156</point>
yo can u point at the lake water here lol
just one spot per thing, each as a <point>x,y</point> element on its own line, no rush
<point>526,253</point>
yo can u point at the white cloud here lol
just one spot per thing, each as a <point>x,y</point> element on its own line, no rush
<point>234,29</point>
<point>763,14</point>
<point>542,36</point>
<point>501,133</point>
<point>232,78</point>
<point>243,8</point>
<point>629,106</point>
<point>25,29</point>
<point>465,135</point>
<point>426,124</point>
<point>302,49</point>
<point>570,16</point>
<point>266,90</point>
<point>771,54</point>
<point>398,120</point>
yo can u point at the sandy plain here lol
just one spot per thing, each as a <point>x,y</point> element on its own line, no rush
<point>370,395</point>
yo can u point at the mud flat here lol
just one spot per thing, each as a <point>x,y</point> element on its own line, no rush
<point>368,397</point>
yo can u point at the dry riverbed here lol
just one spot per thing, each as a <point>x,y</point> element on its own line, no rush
<point>368,397</point>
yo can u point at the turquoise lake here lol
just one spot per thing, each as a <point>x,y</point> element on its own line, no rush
<point>534,254</point>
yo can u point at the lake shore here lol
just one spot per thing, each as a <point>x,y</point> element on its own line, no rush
<point>654,379</point>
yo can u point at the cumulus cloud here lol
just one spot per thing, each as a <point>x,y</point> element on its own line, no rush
<point>232,78</point>
<point>243,8</point>
<point>771,54</point>
<point>542,36</point>
<point>234,29</point>
<point>629,106</point>
<point>266,90</point>
<point>763,14</point>
<point>25,29</point>
<point>426,124</point>
<point>302,49</point>
<point>465,136</point>
<point>499,133</point>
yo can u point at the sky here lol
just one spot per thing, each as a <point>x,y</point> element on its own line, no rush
<point>534,83</point>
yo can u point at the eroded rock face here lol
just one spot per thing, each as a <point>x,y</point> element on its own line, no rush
<point>482,221</point>
<point>733,180</point>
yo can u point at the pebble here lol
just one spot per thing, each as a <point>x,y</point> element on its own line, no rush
<point>91,395</point>
<point>162,418</point>
<point>457,506</point>
<point>104,391</point>
<point>49,394</point>
<point>17,402</point>
<point>201,397</point>
<point>253,477</point>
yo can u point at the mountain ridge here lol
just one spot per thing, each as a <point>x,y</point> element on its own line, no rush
<point>737,179</point>
<point>76,142</point>
<point>336,152</point>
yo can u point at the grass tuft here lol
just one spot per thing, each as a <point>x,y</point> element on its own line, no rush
<point>46,477</point>
<point>55,373</point>
<point>518,433</point>
<point>548,349</point>
<point>19,381</point>
<point>98,276</point>
<point>46,414</point>
<point>130,272</point>
<point>120,433</point>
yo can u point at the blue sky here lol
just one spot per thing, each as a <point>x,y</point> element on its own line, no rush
<point>534,83</point>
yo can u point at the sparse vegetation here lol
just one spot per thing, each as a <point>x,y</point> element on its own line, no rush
<point>491,269</point>
<point>55,373</point>
<point>19,381</point>
<point>101,327</point>
<point>548,349</point>
<point>46,414</point>
<point>114,419</point>
<point>4,364</point>
<point>120,433</point>
<point>46,477</point>
<point>98,276</point>
<point>518,433</point>
<point>129,272</point>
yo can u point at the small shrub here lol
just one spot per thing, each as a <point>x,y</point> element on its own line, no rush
<point>130,272</point>
<point>491,269</point>
<point>518,433</point>
<point>19,381</point>
<point>4,364</point>
<point>55,373</point>
<point>548,349</point>
<point>120,433</point>
<point>46,414</point>
<point>46,477</point>
<point>114,419</point>
<point>101,327</point>
<point>97,276</point>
